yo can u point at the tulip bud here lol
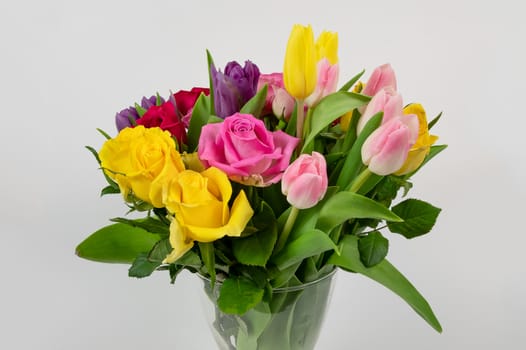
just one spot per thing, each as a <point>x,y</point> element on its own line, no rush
<point>421,148</point>
<point>386,149</point>
<point>386,100</point>
<point>299,69</point>
<point>382,77</point>
<point>327,47</point>
<point>305,181</point>
<point>326,83</point>
<point>283,104</point>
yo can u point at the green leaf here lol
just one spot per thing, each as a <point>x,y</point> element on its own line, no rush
<point>434,151</point>
<point>306,244</point>
<point>353,162</point>
<point>373,248</point>
<point>291,126</point>
<point>200,116</point>
<point>142,266</point>
<point>257,248</point>
<point>109,190</point>
<point>210,62</point>
<point>434,121</point>
<point>103,133</point>
<point>160,250</point>
<point>255,105</point>
<point>117,243</point>
<point>110,181</point>
<point>208,257</point>
<point>330,108</point>
<point>387,275</point>
<point>351,82</point>
<point>238,295</point>
<point>419,218</point>
<point>348,205</point>
<point>149,224</point>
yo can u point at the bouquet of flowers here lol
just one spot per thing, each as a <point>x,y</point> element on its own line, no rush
<point>265,181</point>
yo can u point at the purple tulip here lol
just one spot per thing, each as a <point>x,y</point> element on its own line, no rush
<point>124,118</point>
<point>234,87</point>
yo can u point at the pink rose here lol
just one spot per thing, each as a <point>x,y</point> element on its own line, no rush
<point>386,149</point>
<point>305,181</point>
<point>386,100</point>
<point>382,77</point>
<point>327,81</point>
<point>245,150</point>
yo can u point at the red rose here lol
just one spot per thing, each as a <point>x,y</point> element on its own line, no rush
<point>185,101</point>
<point>165,117</point>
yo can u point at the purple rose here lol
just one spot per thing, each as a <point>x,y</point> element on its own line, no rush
<point>234,87</point>
<point>124,118</point>
<point>245,150</point>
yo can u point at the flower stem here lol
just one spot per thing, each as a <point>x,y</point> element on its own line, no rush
<point>300,118</point>
<point>287,229</point>
<point>360,180</point>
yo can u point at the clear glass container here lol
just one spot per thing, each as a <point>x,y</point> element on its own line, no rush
<point>291,319</point>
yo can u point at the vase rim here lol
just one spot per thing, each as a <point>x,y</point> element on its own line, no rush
<point>290,288</point>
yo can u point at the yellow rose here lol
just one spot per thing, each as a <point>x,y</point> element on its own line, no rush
<point>423,144</point>
<point>299,69</point>
<point>199,202</point>
<point>141,160</point>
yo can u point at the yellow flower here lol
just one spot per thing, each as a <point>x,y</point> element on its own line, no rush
<point>141,160</point>
<point>345,120</point>
<point>199,202</point>
<point>421,148</point>
<point>299,70</point>
<point>327,47</point>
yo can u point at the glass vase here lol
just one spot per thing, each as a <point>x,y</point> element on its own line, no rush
<point>290,319</point>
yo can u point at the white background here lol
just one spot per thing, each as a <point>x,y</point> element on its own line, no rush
<point>66,67</point>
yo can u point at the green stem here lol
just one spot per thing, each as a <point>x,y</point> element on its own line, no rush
<point>360,180</point>
<point>300,119</point>
<point>287,228</point>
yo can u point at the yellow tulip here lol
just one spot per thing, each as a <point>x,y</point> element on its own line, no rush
<point>199,202</point>
<point>299,69</point>
<point>327,47</point>
<point>423,144</point>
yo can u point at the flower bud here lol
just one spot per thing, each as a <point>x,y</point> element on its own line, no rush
<point>386,100</point>
<point>382,77</point>
<point>386,149</point>
<point>305,181</point>
<point>299,69</point>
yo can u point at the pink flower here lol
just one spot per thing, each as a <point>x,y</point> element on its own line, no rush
<point>278,100</point>
<point>305,181</point>
<point>327,81</point>
<point>386,100</point>
<point>382,77</point>
<point>386,149</point>
<point>283,104</point>
<point>245,150</point>
<point>165,117</point>
<point>185,101</point>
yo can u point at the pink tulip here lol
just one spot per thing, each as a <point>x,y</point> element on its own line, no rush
<point>327,81</point>
<point>305,181</point>
<point>386,149</point>
<point>282,104</point>
<point>387,100</point>
<point>382,77</point>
